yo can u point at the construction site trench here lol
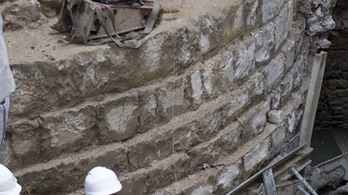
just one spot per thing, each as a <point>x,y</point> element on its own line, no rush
<point>220,82</point>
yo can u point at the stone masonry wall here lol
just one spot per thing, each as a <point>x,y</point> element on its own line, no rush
<point>332,109</point>
<point>219,82</point>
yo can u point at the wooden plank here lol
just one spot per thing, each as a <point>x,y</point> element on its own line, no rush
<point>298,168</point>
<point>269,183</point>
<point>291,145</point>
<point>312,100</point>
<point>288,187</point>
<point>257,174</point>
<point>281,172</point>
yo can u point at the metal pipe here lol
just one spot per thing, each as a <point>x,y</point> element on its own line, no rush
<point>301,189</point>
<point>305,183</point>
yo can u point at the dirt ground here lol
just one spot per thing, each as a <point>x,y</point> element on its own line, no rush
<point>43,43</point>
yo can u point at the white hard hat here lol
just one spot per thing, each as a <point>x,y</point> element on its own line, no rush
<point>8,182</point>
<point>101,181</point>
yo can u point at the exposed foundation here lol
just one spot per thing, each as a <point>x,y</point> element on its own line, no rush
<point>220,82</point>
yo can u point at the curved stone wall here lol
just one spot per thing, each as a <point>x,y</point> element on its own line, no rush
<point>219,82</point>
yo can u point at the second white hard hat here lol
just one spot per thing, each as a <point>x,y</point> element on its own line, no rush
<point>101,181</point>
<point>8,182</point>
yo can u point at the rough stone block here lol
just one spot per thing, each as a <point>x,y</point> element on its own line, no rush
<point>69,130</point>
<point>228,177</point>
<point>57,175</point>
<point>234,24</point>
<point>257,156</point>
<point>265,42</point>
<point>218,147</point>
<point>142,152</point>
<point>274,71</point>
<point>6,155</point>
<point>26,143</point>
<point>245,58</point>
<point>50,8</point>
<point>275,116</point>
<point>203,190</point>
<point>119,119</point>
<point>61,83</point>
<point>240,99</point>
<point>148,111</point>
<point>172,100</point>
<point>193,183</point>
<point>160,174</point>
<point>283,23</point>
<point>279,138</point>
<point>199,131</point>
<point>197,87</point>
<point>22,14</point>
<point>270,8</point>
<point>254,120</point>
<point>210,33</point>
<point>289,51</point>
<point>256,85</point>
<point>252,18</point>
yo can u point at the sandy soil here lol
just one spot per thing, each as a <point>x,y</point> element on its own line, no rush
<point>30,45</point>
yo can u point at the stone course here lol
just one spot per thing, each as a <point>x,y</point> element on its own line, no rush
<point>224,86</point>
